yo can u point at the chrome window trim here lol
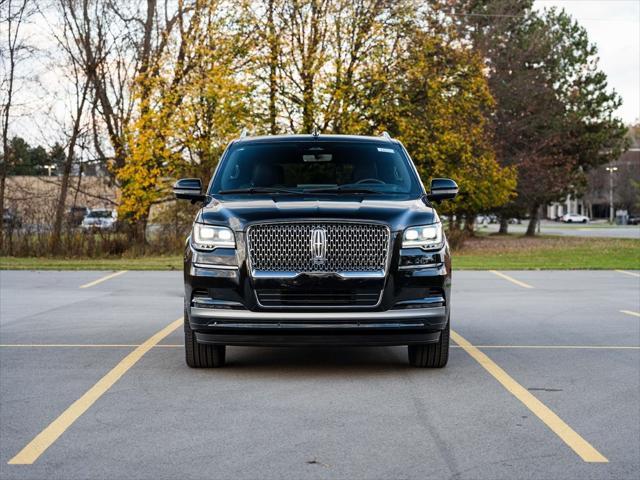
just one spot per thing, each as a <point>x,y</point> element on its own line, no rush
<point>186,191</point>
<point>446,191</point>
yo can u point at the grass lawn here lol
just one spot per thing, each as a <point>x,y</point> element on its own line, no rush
<point>485,252</point>
<point>515,252</point>
<point>116,263</point>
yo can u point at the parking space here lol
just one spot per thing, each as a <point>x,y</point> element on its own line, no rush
<point>561,336</point>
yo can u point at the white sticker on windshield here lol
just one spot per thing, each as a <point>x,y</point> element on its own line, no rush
<point>317,157</point>
<point>386,150</point>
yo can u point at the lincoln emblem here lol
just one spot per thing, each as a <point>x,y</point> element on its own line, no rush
<point>319,246</point>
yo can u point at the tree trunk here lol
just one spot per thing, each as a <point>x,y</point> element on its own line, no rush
<point>504,226</point>
<point>12,22</point>
<point>3,181</point>
<point>273,66</point>
<point>66,172</point>
<point>307,104</point>
<point>469,223</point>
<point>455,222</point>
<point>534,218</point>
<point>62,199</point>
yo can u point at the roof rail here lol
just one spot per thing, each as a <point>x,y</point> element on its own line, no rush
<point>386,135</point>
<point>244,133</point>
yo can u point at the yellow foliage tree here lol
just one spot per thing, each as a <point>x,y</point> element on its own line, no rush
<point>439,105</point>
<point>344,67</point>
<point>191,103</point>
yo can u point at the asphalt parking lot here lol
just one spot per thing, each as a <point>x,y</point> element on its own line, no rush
<point>543,382</point>
<point>593,230</point>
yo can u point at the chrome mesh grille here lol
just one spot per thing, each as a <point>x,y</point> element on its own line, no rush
<point>350,247</point>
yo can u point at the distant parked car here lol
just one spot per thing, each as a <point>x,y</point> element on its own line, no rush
<point>482,220</point>
<point>574,218</point>
<point>486,219</point>
<point>633,220</point>
<point>10,218</point>
<point>100,219</point>
<point>75,215</point>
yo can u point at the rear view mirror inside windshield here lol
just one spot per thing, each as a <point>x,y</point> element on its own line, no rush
<point>317,157</point>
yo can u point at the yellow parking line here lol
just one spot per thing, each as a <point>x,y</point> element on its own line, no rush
<point>579,445</point>
<point>176,345</point>
<point>100,280</point>
<point>563,347</point>
<point>629,312</point>
<point>50,434</point>
<point>633,274</point>
<point>69,345</point>
<point>511,279</point>
<point>82,345</point>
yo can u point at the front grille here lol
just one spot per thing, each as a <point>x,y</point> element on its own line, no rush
<point>348,247</point>
<point>322,298</point>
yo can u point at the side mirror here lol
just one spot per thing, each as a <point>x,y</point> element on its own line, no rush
<point>442,189</point>
<point>189,189</point>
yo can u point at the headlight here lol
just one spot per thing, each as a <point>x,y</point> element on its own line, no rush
<point>428,237</point>
<point>209,237</point>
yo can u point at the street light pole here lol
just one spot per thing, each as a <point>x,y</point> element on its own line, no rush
<point>611,170</point>
<point>49,168</point>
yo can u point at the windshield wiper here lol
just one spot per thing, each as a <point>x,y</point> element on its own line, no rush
<point>260,190</point>
<point>342,190</point>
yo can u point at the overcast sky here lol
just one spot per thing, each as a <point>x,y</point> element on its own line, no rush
<point>614,26</point>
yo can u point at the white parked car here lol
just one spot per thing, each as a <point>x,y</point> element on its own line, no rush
<point>100,219</point>
<point>574,218</point>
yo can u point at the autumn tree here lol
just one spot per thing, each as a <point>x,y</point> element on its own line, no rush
<point>13,16</point>
<point>442,100</point>
<point>314,60</point>
<point>170,84</point>
<point>80,80</point>
<point>554,117</point>
<point>331,65</point>
<point>190,105</point>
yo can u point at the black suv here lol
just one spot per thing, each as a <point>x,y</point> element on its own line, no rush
<point>316,240</point>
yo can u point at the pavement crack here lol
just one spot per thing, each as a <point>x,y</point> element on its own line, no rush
<point>314,461</point>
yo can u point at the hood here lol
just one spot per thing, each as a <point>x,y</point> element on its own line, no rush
<point>237,213</point>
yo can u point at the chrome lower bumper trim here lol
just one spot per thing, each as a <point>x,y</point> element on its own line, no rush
<point>319,326</point>
<point>319,316</point>
<point>419,267</point>
<point>214,266</point>
<point>286,274</point>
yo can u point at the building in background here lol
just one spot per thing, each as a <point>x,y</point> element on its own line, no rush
<point>621,177</point>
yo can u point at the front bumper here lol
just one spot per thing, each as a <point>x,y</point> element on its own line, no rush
<point>223,304</point>
<point>392,327</point>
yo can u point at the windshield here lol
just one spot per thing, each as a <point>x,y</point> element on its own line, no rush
<point>292,167</point>
<point>100,214</point>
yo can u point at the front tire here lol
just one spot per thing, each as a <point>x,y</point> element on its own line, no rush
<point>201,355</point>
<point>431,355</point>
